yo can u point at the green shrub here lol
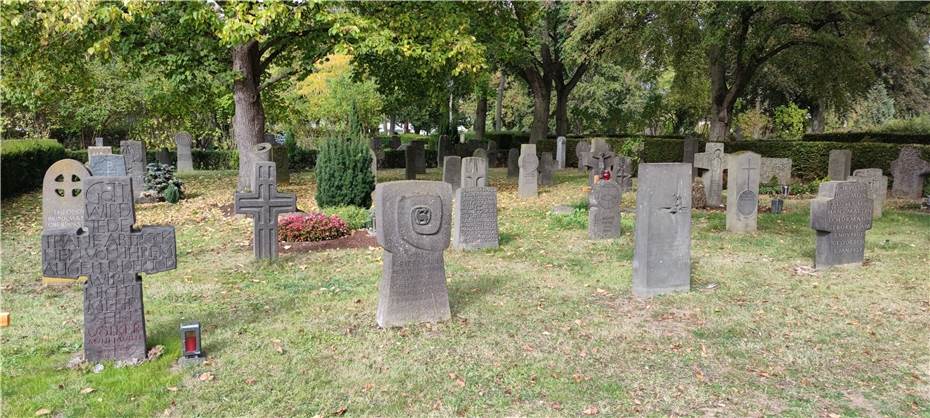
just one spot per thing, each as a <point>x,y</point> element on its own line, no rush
<point>172,194</point>
<point>354,216</point>
<point>159,177</point>
<point>343,173</point>
<point>916,125</point>
<point>578,219</point>
<point>880,137</point>
<point>789,121</point>
<point>23,163</point>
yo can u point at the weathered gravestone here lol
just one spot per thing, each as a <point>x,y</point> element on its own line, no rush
<point>163,156</point>
<point>414,220</point>
<point>134,153</point>
<point>600,159</point>
<point>63,195</point>
<point>474,172</point>
<point>98,141</point>
<point>91,151</point>
<point>662,249</point>
<point>604,210</point>
<point>480,153</point>
<point>712,162</point>
<point>375,145</point>
<point>264,203</point>
<point>112,165</point>
<point>742,191</point>
<point>452,171</point>
<point>419,154</point>
<point>582,150</point>
<point>183,141</point>
<point>513,163</point>
<point>841,214</point>
<point>282,163</point>
<point>560,144</point>
<point>877,184</point>
<point>112,255</point>
<point>260,152</point>
<point>546,168</point>
<point>527,185</point>
<point>475,212</point>
<point>840,164</point>
<point>623,172</point>
<point>690,148</point>
<point>775,168</point>
<point>908,171</point>
<point>410,163</point>
<point>444,149</point>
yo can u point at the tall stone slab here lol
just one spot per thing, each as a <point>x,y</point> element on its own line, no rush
<point>444,149</point>
<point>374,164</point>
<point>840,164</point>
<point>282,163</point>
<point>711,163</point>
<point>662,249</point>
<point>134,153</point>
<point>183,142</point>
<point>410,163</point>
<point>452,171</point>
<point>513,163</point>
<point>582,151</point>
<point>690,147</point>
<point>547,167</point>
<point>908,172</point>
<point>474,172</point>
<point>419,154</point>
<point>101,150</point>
<point>743,191</point>
<point>527,186</point>
<point>63,195</point>
<point>107,165</point>
<point>841,214</point>
<point>414,227</point>
<point>112,254</point>
<point>560,144</point>
<point>877,187</point>
<point>264,203</point>
<point>475,225</point>
<point>775,168</point>
<point>604,210</point>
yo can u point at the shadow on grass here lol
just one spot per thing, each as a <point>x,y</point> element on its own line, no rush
<point>465,293</point>
<point>507,238</point>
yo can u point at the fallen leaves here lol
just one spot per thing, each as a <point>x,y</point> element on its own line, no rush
<point>458,380</point>
<point>87,390</point>
<point>43,411</point>
<point>591,410</point>
<point>341,411</point>
<point>276,343</point>
<point>206,377</point>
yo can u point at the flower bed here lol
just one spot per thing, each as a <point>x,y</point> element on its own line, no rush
<point>311,227</point>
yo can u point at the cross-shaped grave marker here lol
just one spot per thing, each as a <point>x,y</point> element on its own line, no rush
<point>265,203</point>
<point>712,161</point>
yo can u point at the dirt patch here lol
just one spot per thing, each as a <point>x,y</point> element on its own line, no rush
<point>358,239</point>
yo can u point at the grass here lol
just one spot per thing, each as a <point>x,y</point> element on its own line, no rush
<point>544,325</point>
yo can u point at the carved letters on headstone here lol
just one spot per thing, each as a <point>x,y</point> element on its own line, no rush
<point>527,186</point>
<point>742,191</point>
<point>909,171</point>
<point>108,165</point>
<point>264,203</point>
<point>452,171</point>
<point>604,210</point>
<point>712,162</point>
<point>134,153</point>
<point>183,141</point>
<point>63,195</point>
<point>662,249</point>
<point>475,225</point>
<point>841,214</point>
<point>878,187</point>
<point>840,164</point>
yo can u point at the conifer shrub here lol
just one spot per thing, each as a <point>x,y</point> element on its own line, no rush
<point>343,173</point>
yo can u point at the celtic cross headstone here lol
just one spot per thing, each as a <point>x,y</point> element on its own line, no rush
<point>264,203</point>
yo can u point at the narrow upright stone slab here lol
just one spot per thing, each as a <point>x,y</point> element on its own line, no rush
<point>91,151</point>
<point>419,154</point>
<point>877,184</point>
<point>513,163</point>
<point>840,164</point>
<point>547,167</point>
<point>112,254</point>
<point>743,191</point>
<point>63,195</point>
<point>604,210</point>
<point>560,144</point>
<point>183,141</point>
<point>444,149</point>
<point>264,203</point>
<point>134,153</point>
<point>529,164</point>
<point>690,147</point>
<point>374,164</point>
<point>282,163</point>
<point>475,225</point>
<point>410,163</point>
<point>452,171</point>
<point>777,168</point>
<point>841,214</point>
<point>909,171</point>
<point>711,163</point>
<point>582,151</point>
<point>414,227</point>
<point>375,145</point>
<point>474,172</point>
<point>107,165</point>
<point>662,249</point>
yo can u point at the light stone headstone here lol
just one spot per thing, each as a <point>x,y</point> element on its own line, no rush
<point>475,224</point>
<point>63,195</point>
<point>840,164</point>
<point>909,171</point>
<point>134,153</point>
<point>547,166</point>
<point>474,172</point>
<point>452,171</point>
<point>662,248</point>
<point>183,142</point>
<point>528,184</point>
<point>264,203</point>
<point>410,163</point>
<point>560,144</point>
<point>260,152</point>
<point>513,163</point>
<point>742,191</point>
<point>91,151</point>
<point>878,187</point>
<point>374,164</point>
<point>604,210</point>
<point>778,168</point>
<point>840,214</point>
<point>582,151</point>
<point>112,254</point>
<point>480,153</point>
<point>690,147</point>
<point>111,165</point>
<point>414,227</point>
<point>711,163</point>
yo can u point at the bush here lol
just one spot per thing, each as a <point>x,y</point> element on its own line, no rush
<point>917,125</point>
<point>23,163</point>
<point>880,137</point>
<point>159,177</point>
<point>789,121</point>
<point>354,216</point>
<point>343,174</point>
<point>172,194</point>
<point>311,227</point>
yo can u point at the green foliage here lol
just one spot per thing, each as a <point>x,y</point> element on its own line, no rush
<point>159,177</point>
<point>789,121</point>
<point>632,148</point>
<point>172,194</point>
<point>753,123</point>
<point>354,216</point>
<point>344,174</point>
<point>873,110</point>
<point>919,124</point>
<point>23,163</point>
<point>882,137</point>
<point>578,219</point>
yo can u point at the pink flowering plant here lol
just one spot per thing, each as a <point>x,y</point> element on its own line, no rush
<point>309,227</point>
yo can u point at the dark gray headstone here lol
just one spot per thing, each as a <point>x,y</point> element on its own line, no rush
<point>711,163</point>
<point>841,214</point>
<point>112,255</point>
<point>183,141</point>
<point>414,227</point>
<point>110,165</point>
<point>599,159</point>
<point>662,249</point>
<point>547,167</point>
<point>878,187</point>
<point>908,171</point>
<point>264,203</point>
<point>560,144</point>
<point>419,148</point>
<point>63,195</point>
<point>777,168</point>
<point>604,210</point>
<point>410,163</point>
<point>690,148</point>
<point>527,186</point>
<point>282,163</point>
<point>452,171</point>
<point>742,191</point>
<point>581,148</point>
<point>840,164</point>
<point>444,149</point>
<point>480,153</point>
<point>474,172</point>
<point>134,153</point>
<point>163,156</point>
<point>513,163</point>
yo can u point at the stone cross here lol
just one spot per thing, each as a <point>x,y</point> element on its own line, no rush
<point>265,203</point>
<point>546,168</point>
<point>63,195</point>
<point>742,191</point>
<point>107,165</point>
<point>778,168</point>
<point>662,244</point>
<point>582,151</point>
<point>840,164</point>
<point>183,141</point>
<point>560,143</point>
<point>841,214</point>
<point>112,254</point>
<point>604,210</point>
<point>528,184</point>
<point>414,221</point>
<point>452,171</point>
<point>134,152</point>
<point>474,172</point>
<point>513,162</point>
<point>712,162</point>
<point>909,171</point>
<point>690,146</point>
<point>877,184</point>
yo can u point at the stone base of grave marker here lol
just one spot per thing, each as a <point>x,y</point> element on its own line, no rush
<point>604,212</point>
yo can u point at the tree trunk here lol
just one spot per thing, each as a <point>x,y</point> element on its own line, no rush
<point>719,110</point>
<point>392,124</point>
<point>499,109</point>
<point>481,116</point>
<point>249,118</point>
<point>561,111</point>
<point>542,95</point>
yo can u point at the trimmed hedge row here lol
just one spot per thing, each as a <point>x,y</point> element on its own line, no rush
<point>880,137</point>
<point>23,163</point>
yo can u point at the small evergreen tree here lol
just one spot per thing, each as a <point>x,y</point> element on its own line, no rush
<point>355,125</point>
<point>343,173</point>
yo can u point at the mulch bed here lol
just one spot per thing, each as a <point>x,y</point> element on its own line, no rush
<point>358,239</point>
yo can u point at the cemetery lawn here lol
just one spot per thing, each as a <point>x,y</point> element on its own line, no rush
<point>545,325</point>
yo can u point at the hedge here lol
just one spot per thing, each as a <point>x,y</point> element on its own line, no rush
<point>23,163</point>
<point>880,137</point>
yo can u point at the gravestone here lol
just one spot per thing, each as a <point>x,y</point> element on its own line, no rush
<point>840,164</point>
<point>778,168</point>
<point>98,141</point>
<point>444,149</point>
<point>513,163</point>
<point>492,145</point>
<point>600,159</point>
<point>546,168</point>
<point>742,191</point>
<point>134,154</point>
<point>480,153</point>
<point>260,152</point>
<point>91,151</point>
<point>560,144</point>
<point>604,210</point>
<point>582,150</point>
<point>281,163</point>
<point>394,142</point>
<point>452,171</point>
<point>112,254</point>
<point>414,220</point>
<point>264,203</point>
<point>375,145</point>
<point>908,172</point>
<point>527,185</point>
<point>841,213</point>
<point>623,173</point>
<point>410,163</point>
<point>112,165</point>
<point>163,156</point>
<point>419,148</point>
<point>474,172</point>
<point>183,141</point>
<point>475,212</point>
<point>711,163</point>
<point>877,187</point>
<point>63,195</point>
<point>662,248</point>
<point>690,148</point>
